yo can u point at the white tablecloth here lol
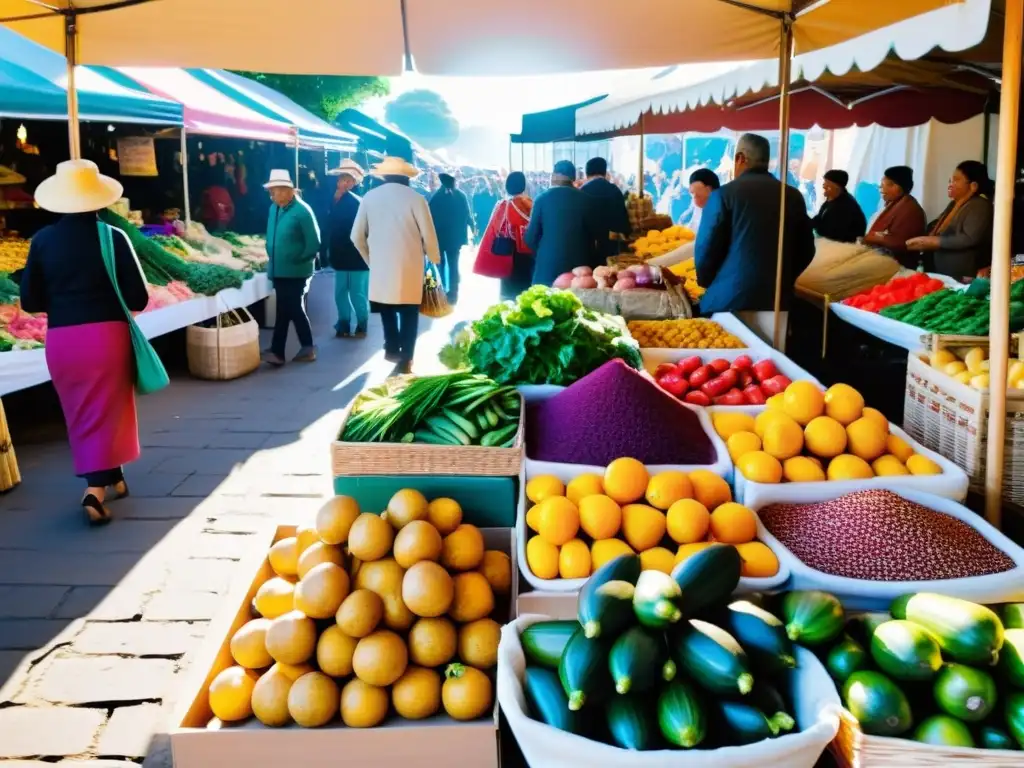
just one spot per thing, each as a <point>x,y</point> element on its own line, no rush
<point>893,331</point>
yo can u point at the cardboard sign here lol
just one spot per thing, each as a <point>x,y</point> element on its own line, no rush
<point>136,156</point>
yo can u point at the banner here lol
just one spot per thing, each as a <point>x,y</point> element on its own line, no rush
<point>136,156</point>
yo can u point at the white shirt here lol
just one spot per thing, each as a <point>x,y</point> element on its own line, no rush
<point>695,219</point>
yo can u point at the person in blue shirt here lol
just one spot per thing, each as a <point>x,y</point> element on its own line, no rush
<point>609,204</point>
<point>351,275</point>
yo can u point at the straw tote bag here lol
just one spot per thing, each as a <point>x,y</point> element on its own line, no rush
<point>224,351</point>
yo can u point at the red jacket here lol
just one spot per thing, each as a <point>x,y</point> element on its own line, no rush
<point>217,206</point>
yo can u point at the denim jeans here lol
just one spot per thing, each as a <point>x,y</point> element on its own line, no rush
<point>351,294</point>
<point>401,327</point>
<point>291,294</point>
<point>449,269</point>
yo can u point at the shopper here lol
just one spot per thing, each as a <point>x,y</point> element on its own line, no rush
<point>901,219</point>
<point>392,231</point>
<point>609,206</point>
<point>351,275</point>
<point>453,219</point>
<point>840,217</point>
<point>703,182</point>
<point>88,345</point>
<point>503,252</point>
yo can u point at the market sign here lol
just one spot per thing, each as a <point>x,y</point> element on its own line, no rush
<point>136,156</point>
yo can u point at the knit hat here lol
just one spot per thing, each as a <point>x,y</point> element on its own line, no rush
<point>836,176</point>
<point>901,175</point>
<point>566,168</point>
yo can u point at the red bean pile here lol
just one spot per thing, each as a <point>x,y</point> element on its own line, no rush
<point>877,535</point>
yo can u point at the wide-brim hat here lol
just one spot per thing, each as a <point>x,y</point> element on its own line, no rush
<point>78,187</point>
<point>349,168</point>
<point>9,176</point>
<point>395,166</point>
<point>279,178</point>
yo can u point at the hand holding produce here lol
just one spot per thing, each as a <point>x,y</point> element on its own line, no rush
<point>720,382</point>
<point>683,334</point>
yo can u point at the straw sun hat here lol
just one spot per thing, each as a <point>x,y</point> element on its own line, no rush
<point>395,166</point>
<point>78,187</point>
<point>279,178</point>
<point>349,167</point>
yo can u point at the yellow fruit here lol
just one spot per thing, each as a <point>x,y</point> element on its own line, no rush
<point>417,694</point>
<point>688,550</point>
<point>293,671</point>
<point>709,489</point>
<point>825,437</point>
<point>432,642</point>
<point>270,698</point>
<point>275,597</point>
<point>899,447</point>
<point>542,558</point>
<point>248,645</point>
<point>776,402</point>
<point>284,557</point>
<point>497,569</point>
<point>533,518</point>
<point>291,639</point>
<point>559,520</point>
<point>922,465</point>
<point>843,403</point>
<point>582,486</point>
<point>380,658</point>
<point>600,516</point>
<point>643,527</point>
<point>760,467</point>
<point>334,652</point>
<point>742,443</point>
<point>1014,372</point>
<point>783,438</point>
<point>733,523</point>
<point>231,694</point>
<point>317,554</point>
<point>657,559</point>
<point>801,469</point>
<point>466,693</point>
<point>757,560</point>
<point>478,642</point>
<point>321,591</point>
<point>728,424</point>
<point>888,465</point>
<point>666,488</point>
<point>866,440</point>
<point>980,381</point>
<point>417,541</point>
<point>473,598</point>
<point>384,577</point>
<point>845,466</point>
<point>363,705</point>
<point>405,506</point>
<point>877,416</point>
<point>335,518</point>
<point>964,377</point>
<point>605,550</point>
<point>313,700</point>
<point>370,537</point>
<point>687,521</point>
<point>573,561</point>
<point>942,357</point>
<point>544,487</point>
<point>305,537</point>
<point>803,402</point>
<point>952,369</point>
<point>767,417</point>
<point>974,358</point>
<point>625,480</point>
<point>360,613</point>
<point>445,515</point>
<point>427,589</point>
<point>463,548</point>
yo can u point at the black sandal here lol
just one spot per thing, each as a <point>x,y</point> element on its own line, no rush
<point>120,489</point>
<point>91,504</point>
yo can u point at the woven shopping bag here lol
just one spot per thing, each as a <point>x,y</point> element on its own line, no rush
<point>228,350</point>
<point>435,301</point>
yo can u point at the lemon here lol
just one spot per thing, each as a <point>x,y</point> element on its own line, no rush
<point>825,436</point>
<point>543,487</point>
<point>445,515</point>
<point>783,438</point>
<point>687,521</point>
<point>291,639</point>
<point>980,381</point>
<point>776,402</point>
<point>497,569</point>
<point>964,377</point>
<point>625,480</point>
<point>802,469</point>
<point>284,557</point>
<point>760,467</point>
<point>843,403</point>
<point>728,424</point>
<point>275,597</point>
<point>248,645</point>
<point>866,439</point>
<point>335,518</point>
<point>877,416</point>
<point>848,467</point>
<point>952,369</point>
<point>334,652</point>
<point>803,402</point>
<point>231,694</point>
<point>657,559</point>
<point>313,700</point>
<point>533,518</point>
<point>767,417</point>
<point>405,506</point>
<point>270,698</point>
<point>899,448</point>
<point>600,516</point>
<point>305,537</point>
<point>559,520</point>
<point>666,488</point>
<point>574,560</point>
<point>542,558</point>
<point>710,489</point>
<point>942,357</point>
<point>885,466</point>
<point>922,465</point>
<point>643,526</point>
<point>974,359</point>
<point>740,443</point>
<point>581,486</point>
<point>317,554</point>
<point>320,593</point>
<point>688,550</point>
<point>606,550</point>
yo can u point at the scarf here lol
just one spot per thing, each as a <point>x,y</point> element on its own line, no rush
<point>885,217</point>
<point>948,215</point>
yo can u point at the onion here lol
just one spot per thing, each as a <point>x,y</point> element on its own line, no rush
<point>625,284</point>
<point>604,272</point>
<point>637,269</point>
<point>585,281</point>
<point>582,271</point>
<point>564,280</point>
<point>643,280</point>
<point>603,283</point>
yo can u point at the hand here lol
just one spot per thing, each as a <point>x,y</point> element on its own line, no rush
<point>926,243</point>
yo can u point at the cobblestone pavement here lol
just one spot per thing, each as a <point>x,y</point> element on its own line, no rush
<point>97,625</point>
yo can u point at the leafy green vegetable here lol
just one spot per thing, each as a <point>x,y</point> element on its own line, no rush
<point>958,312</point>
<point>545,336</point>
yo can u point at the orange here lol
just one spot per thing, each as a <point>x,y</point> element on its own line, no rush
<point>733,523</point>
<point>803,402</point>
<point>866,439</point>
<point>922,465</point>
<point>767,417</point>
<point>802,469</point>
<point>642,526</point>
<point>533,518</point>
<point>666,488</point>
<point>542,558</point>
<point>742,443</point>
<point>843,403</point>
<point>687,521</point>
<point>783,438</point>
<point>776,402</point>
<point>878,416</point>
<point>541,487</point>
<point>625,480</point>
<point>689,550</point>
<point>760,467</point>
<point>600,516</point>
<point>559,520</point>
<point>657,559</point>
<point>899,447</point>
<point>606,550</point>
<point>887,465</point>
<point>582,486</point>
<point>845,466</point>
<point>709,489</point>
<point>758,561</point>
<point>825,436</point>
<point>728,424</point>
<point>574,560</point>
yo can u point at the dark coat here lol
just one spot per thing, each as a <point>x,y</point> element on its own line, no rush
<point>343,253</point>
<point>841,219</point>
<point>563,233</point>
<point>736,250</point>
<point>610,207</point>
<point>452,217</point>
<point>965,246</point>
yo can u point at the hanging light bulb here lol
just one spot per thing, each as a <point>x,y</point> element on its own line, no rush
<point>22,134</point>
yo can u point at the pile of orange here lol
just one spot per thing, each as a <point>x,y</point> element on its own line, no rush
<point>665,518</point>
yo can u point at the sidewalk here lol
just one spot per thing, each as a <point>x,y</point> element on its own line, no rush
<point>96,625</point>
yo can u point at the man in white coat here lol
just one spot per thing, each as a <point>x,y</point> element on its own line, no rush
<point>392,232</point>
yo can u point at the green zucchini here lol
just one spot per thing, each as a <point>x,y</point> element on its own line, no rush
<point>547,700</point>
<point>992,737</point>
<point>965,631</point>
<point>634,660</point>
<point>711,657</point>
<point>445,426</point>
<point>965,693</point>
<point>708,578</point>
<point>760,633</point>
<point>544,641</point>
<point>1013,709</point>
<point>745,723</point>
<point>433,438</point>
<point>1011,657</point>
<point>767,698</point>
<point>681,715</point>
<point>905,651</point>
<point>462,423</point>
<point>845,658</point>
<point>944,731</point>
<point>812,617</point>
<point>482,422</point>
<point>655,600</point>
<point>608,610</point>
<point>583,669</point>
<point>491,414</point>
<point>630,721</point>
<point>498,436</point>
<point>1012,615</point>
<point>862,626</point>
<point>879,705</point>
<point>666,664</point>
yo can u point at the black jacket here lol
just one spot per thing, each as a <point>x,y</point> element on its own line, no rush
<point>65,276</point>
<point>343,254</point>
<point>452,218</point>
<point>841,219</point>
<point>563,233</point>
<point>610,207</point>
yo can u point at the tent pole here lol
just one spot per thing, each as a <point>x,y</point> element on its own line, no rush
<point>510,155</point>
<point>296,162</point>
<point>999,306</point>
<point>785,59</point>
<point>522,156</point>
<point>184,176</point>
<point>71,56</point>
<point>640,164</point>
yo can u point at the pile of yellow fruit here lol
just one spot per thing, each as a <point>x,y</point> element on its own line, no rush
<point>368,613</point>
<point>687,270</point>
<point>13,254</point>
<point>697,333</point>
<point>577,528</point>
<point>658,243</point>
<point>806,435</point>
<point>973,367</point>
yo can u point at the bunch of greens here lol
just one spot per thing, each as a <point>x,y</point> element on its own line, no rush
<point>958,312</point>
<point>545,336</point>
<point>9,290</point>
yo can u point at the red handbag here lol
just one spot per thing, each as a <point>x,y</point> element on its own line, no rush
<point>490,263</point>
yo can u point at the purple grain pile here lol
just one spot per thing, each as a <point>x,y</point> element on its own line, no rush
<point>613,412</point>
<point>879,536</point>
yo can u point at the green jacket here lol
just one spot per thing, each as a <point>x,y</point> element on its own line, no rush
<point>293,240</point>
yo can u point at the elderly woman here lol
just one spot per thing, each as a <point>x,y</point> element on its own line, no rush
<point>901,219</point>
<point>961,238</point>
<point>88,344</point>
<point>502,252</point>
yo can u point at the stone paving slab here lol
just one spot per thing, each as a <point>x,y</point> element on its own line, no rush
<point>106,679</point>
<point>68,731</point>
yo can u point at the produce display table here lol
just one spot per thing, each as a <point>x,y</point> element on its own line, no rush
<point>891,331</point>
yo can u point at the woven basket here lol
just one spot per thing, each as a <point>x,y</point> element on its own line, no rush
<point>224,353</point>
<point>10,476</point>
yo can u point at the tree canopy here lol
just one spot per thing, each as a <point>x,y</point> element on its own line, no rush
<point>425,117</point>
<point>323,95</point>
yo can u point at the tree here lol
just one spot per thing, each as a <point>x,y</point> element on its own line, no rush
<point>323,95</point>
<point>425,117</point>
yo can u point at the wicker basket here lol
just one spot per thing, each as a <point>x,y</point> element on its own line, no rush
<point>224,352</point>
<point>10,476</point>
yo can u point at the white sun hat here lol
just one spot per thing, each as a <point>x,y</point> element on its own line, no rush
<point>395,166</point>
<point>78,187</point>
<point>349,167</point>
<point>279,178</point>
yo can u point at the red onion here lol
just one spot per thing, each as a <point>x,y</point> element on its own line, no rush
<point>624,284</point>
<point>564,280</point>
<point>585,281</point>
<point>582,271</point>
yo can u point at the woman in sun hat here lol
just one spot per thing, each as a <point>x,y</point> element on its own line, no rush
<point>88,346</point>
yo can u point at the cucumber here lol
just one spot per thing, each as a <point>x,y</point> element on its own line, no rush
<point>433,438</point>
<point>812,617</point>
<point>1014,712</point>
<point>583,669</point>
<point>630,720</point>
<point>965,693</point>
<point>1011,657</point>
<point>708,578</point>
<point>498,436</point>
<point>547,700</point>
<point>482,422</point>
<point>655,600</point>
<point>544,641</point>
<point>767,698</point>
<point>862,626</point>
<point>845,658</point>
<point>711,657</point>
<point>760,633</point>
<point>491,414</point>
<point>445,426</point>
<point>462,423</point>
<point>608,610</point>
<point>966,632</point>
<point>681,715</point>
<point>991,737</point>
<point>745,723</point>
<point>944,731</point>
<point>905,651</point>
<point>879,705</point>
<point>634,660</point>
<point>1012,615</point>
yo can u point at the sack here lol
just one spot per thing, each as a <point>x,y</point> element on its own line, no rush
<point>150,374</point>
<point>844,269</point>
<point>224,351</point>
<point>497,260</point>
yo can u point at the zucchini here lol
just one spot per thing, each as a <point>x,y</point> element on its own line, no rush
<point>583,669</point>
<point>462,423</point>
<point>681,715</point>
<point>905,651</point>
<point>1012,615</point>
<point>708,578</point>
<point>1011,657</point>
<point>965,693</point>
<point>433,438</point>
<point>1014,711</point>
<point>767,698</point>
<point>630,720</point>
<point>491,415</point>
<point>992,737</point>
<point>944,731</point>
<point>879,705</point>
<point>482,422</point>
<point>966,632</point>
<point>655,598</point>
<point>498,436</point>
<point>666,664</point>
<point>845,658</point>
<point>635,660</point>
<point>760,633</point>
<point>862,626</point>
<point>608,610</point>
<point>547,700</point>
<point>812,617</point>
<point>544,641</point>
<point>711,657</point>
<point>445,426</point>
<point>745,723</point>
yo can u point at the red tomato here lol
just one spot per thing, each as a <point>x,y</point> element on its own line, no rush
<point>688,365</point>
<point>732,397</point>
<point>696,397</point>
<point>753,395</point>
<point>764,370</point>
<point>665,369</point>
<point>674,384</point>
<point>720,384</point>
<point>719,365</point>
<point>742,363</point>
<point>701,376</point>
<point>775,385</point>
<point>744,379</point>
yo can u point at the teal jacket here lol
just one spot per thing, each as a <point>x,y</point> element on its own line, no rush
<point>293,240</point>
